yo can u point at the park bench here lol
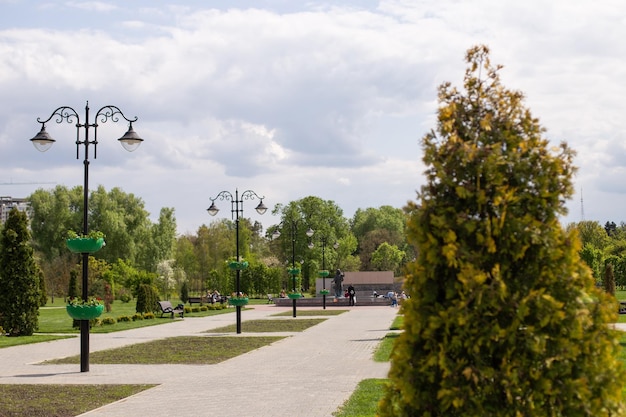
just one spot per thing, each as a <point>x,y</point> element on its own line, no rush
<point>270,298</point>
<point>167,308</point>
<point>622,307</point>
<point>199,300</point>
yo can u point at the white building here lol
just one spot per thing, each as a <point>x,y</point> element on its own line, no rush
<point>8,203</point>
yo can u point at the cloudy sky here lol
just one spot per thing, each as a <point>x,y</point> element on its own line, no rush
<point>296,98</point>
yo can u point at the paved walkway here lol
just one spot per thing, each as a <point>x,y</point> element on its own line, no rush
<point>307,374</point>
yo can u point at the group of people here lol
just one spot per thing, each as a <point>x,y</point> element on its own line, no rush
<point>215,297</point>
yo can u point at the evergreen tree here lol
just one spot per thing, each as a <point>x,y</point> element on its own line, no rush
<point>184,292</point>
<point>19,278</point>
<point>147,298</point>
<point>504,318</point>
<point>609,279</point>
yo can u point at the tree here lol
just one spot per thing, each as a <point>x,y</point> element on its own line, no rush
<point>609,279</point>
<point>387,258</point>
<point>372,227</point>
<point>147,298</point>
<point>324,218</point>
<point>19,278</point>
<point>504,318</point>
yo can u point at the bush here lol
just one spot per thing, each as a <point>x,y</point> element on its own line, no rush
<point>108,321</point>
<point>504,318</point>
<point>204,308</point>
<point>147,298</point>
<point>195,309</point>
<point>137,316</point>
<point>187,309</point>
<point>148,316</point>
<point>124,319</point>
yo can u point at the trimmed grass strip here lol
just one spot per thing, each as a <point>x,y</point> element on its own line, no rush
<point>186,350</point>
<point>60,400</point>
<point>303,313</point>
<point>269,326</point>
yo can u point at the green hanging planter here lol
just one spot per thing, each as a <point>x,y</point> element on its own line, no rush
<point>238,302</point>
<point>323,273</point>
<point>294,296</point>
<point>238,265</point>
<point>84,312</point>
<point>84,244</point>
<point>324,292</point>
<point>294,271</point>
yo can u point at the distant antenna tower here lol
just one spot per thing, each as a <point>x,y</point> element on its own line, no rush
<point>582,206</point>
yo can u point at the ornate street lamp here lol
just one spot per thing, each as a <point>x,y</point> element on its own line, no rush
<point>42,141</point>
<point>236,210</point>
<point>324,273</point>
<point>294,271</point>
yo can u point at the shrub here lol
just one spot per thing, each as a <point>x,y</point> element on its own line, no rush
<point>137,316</point>
<point>187,310</point>
<point>195,309</point>
<point>147,298</point>
<point>504,318</point>
<point>108,321</point>
<point>124,318</point>
<point>148,316</point>
<point>204,308</point>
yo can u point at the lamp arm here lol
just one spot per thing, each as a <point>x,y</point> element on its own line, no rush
<point>63,113</point>
<point>111,112</point>
<point>250,195</point>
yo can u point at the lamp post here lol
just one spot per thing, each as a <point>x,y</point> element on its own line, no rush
<point>294,272</point>
<point>42,141</point>
<point>236,210</point>
<point>324,272</point>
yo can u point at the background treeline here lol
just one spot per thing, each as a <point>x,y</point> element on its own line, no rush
<point>139,251</point>
<point>604,247</point>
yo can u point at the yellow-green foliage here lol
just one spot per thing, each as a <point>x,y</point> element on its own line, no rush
<point>504,318</point>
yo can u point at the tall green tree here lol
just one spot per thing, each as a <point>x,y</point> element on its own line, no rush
<point>322,217</point>
<point>19,278</point>
<point>387,258</point>
<point>504,318</point>
<point>374,226</point>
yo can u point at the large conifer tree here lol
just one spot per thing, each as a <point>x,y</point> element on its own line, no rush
<point>504,318</point>
<point>19,278</point>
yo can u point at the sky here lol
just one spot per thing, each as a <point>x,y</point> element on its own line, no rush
<point>292,99</point>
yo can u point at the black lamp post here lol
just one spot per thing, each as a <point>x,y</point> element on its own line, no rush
<point>294,272</point>
<point>324,272</point>
<point>235,202</point>
<point>42,141</point>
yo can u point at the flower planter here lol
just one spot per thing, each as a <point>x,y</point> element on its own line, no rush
<point>238,301</point>
<point>238,265</point>
<point>294,296</point>
<point>294,271</point>
<point>84,244</point>
<point>323,274</point>
<point>84,312</point>
<point>324,292</point>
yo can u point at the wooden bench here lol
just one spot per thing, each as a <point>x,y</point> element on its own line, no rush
<point>199,300</point>
<point>167,308</point>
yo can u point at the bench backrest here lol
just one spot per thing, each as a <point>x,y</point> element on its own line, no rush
<point>165,305</point>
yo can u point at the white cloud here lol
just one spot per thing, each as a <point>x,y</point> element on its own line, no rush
<point>298,99</point>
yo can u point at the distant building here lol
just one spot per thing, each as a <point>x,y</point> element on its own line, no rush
<point>8,203</point>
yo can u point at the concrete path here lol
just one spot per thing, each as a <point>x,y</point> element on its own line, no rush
<point>307,374</point>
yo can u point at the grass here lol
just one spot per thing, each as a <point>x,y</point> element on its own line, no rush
<point>188,350</point>
<point>364,401</point>
<point>60,400</point>
<point>383,352</point>
<point>269,326</point>
<point>54,323</point>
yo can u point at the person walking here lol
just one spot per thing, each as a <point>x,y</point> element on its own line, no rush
<point>352,294</point>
